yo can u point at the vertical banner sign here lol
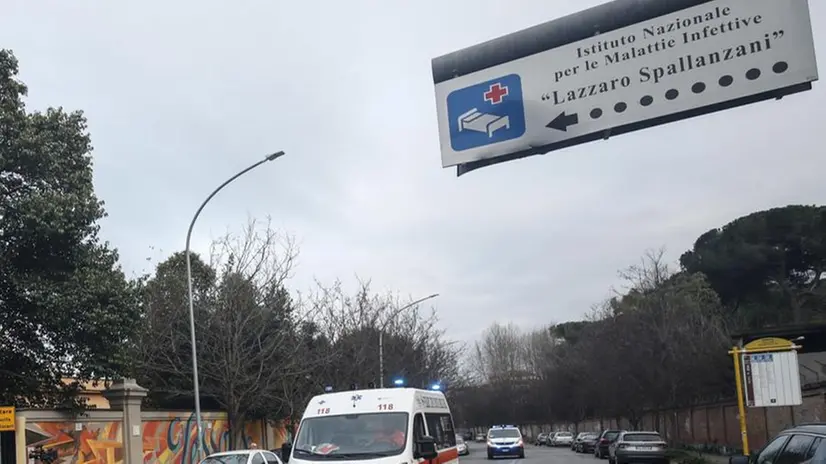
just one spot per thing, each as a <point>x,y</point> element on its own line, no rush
<point>6,418</point>
<point>747,376</point>
<point>772,379</point>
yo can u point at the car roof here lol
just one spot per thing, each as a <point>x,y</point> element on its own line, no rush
<point>364,401</point>
<point>817,428</point>
<point>505,427</point>
<point>641,432</point>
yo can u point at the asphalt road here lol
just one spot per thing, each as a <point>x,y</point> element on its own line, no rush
<point>533,455</point>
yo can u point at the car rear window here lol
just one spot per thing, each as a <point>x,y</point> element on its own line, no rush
<point>565,434</point>
<point>610,435</point>
<point>642,437</point>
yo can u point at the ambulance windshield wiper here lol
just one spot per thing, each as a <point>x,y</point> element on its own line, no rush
<point>358,455</point>
<point>302,450</point>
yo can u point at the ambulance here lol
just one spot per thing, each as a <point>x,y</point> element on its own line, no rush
<point>381,426</point>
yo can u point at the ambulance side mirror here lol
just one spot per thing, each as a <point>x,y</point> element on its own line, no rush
<point>286,450</point>
<point>425,448</point>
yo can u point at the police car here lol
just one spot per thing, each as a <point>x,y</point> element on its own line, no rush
<point>505,440</point>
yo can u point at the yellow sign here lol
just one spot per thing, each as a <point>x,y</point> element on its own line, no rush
<point>769,343</point>
<point>6,418</point>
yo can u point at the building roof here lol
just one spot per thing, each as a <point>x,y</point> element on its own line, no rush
<point>814,334</point>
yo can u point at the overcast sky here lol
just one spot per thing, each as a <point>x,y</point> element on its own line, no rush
<point>182,94</point>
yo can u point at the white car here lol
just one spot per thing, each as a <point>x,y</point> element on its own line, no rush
<point>461,446</point>
<point>242,457</point>
<point>562,439</point>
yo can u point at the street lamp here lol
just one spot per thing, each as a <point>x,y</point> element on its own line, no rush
<point>196,388</point>
<point>381,333</point>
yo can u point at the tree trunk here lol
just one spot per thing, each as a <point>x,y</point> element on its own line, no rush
<point>236,430</point>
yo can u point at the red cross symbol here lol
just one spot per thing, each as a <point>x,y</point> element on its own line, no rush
<point>496,93</point>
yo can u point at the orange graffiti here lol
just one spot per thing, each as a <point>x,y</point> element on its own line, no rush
<point>81,443</point>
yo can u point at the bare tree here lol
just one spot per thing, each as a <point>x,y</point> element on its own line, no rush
<point>415,346</point>
<point>502,354</point>
<point>660,344</point>
<point>248,329</point>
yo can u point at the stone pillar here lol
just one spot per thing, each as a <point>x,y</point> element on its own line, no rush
<point>126,395</point>
<point>21,451</point>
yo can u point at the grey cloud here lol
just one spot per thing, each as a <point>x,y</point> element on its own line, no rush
<point>181,95</point>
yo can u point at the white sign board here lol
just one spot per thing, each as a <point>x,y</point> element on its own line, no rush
<point>702,56</point>
<point>772,379</point>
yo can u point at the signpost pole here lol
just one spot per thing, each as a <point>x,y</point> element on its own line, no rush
<point>741,402</point>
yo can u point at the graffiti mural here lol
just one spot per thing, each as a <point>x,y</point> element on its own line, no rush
<point>173,440</point>
<point>81,443</point>
<point>168,440</point>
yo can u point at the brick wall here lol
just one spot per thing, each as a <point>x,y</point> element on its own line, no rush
<point>718,425</point>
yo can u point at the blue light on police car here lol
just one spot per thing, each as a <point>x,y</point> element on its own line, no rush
<point>328,389</point>
<point>436,387</point>
<point>398,382</point>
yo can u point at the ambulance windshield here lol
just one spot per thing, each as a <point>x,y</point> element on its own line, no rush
<point>351,436</point>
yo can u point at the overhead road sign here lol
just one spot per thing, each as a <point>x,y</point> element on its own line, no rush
<point>619,67</point>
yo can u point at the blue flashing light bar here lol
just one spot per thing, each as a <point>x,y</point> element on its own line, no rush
<point>398,382</point>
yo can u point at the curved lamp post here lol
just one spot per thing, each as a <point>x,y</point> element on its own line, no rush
<point>196,388</point>
<point>381,333</point>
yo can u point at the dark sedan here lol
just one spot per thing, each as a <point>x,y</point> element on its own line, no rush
<point>605,440</point>
<point>577,439</point>
<point>587,443</point>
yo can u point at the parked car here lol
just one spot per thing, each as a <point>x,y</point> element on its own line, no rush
<point>481,438</point>
<point>588,443</point>
<point>541,439</point>
<point>605,439</point>
<point>804,443</point>
<point>242,457</point>
<point>461,446</point>
<point>638,446</point>
<point>577,439</point>
<point>562,439</point>
<point>468,436</point>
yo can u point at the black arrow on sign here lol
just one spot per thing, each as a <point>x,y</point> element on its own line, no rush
<point>562,121</point>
